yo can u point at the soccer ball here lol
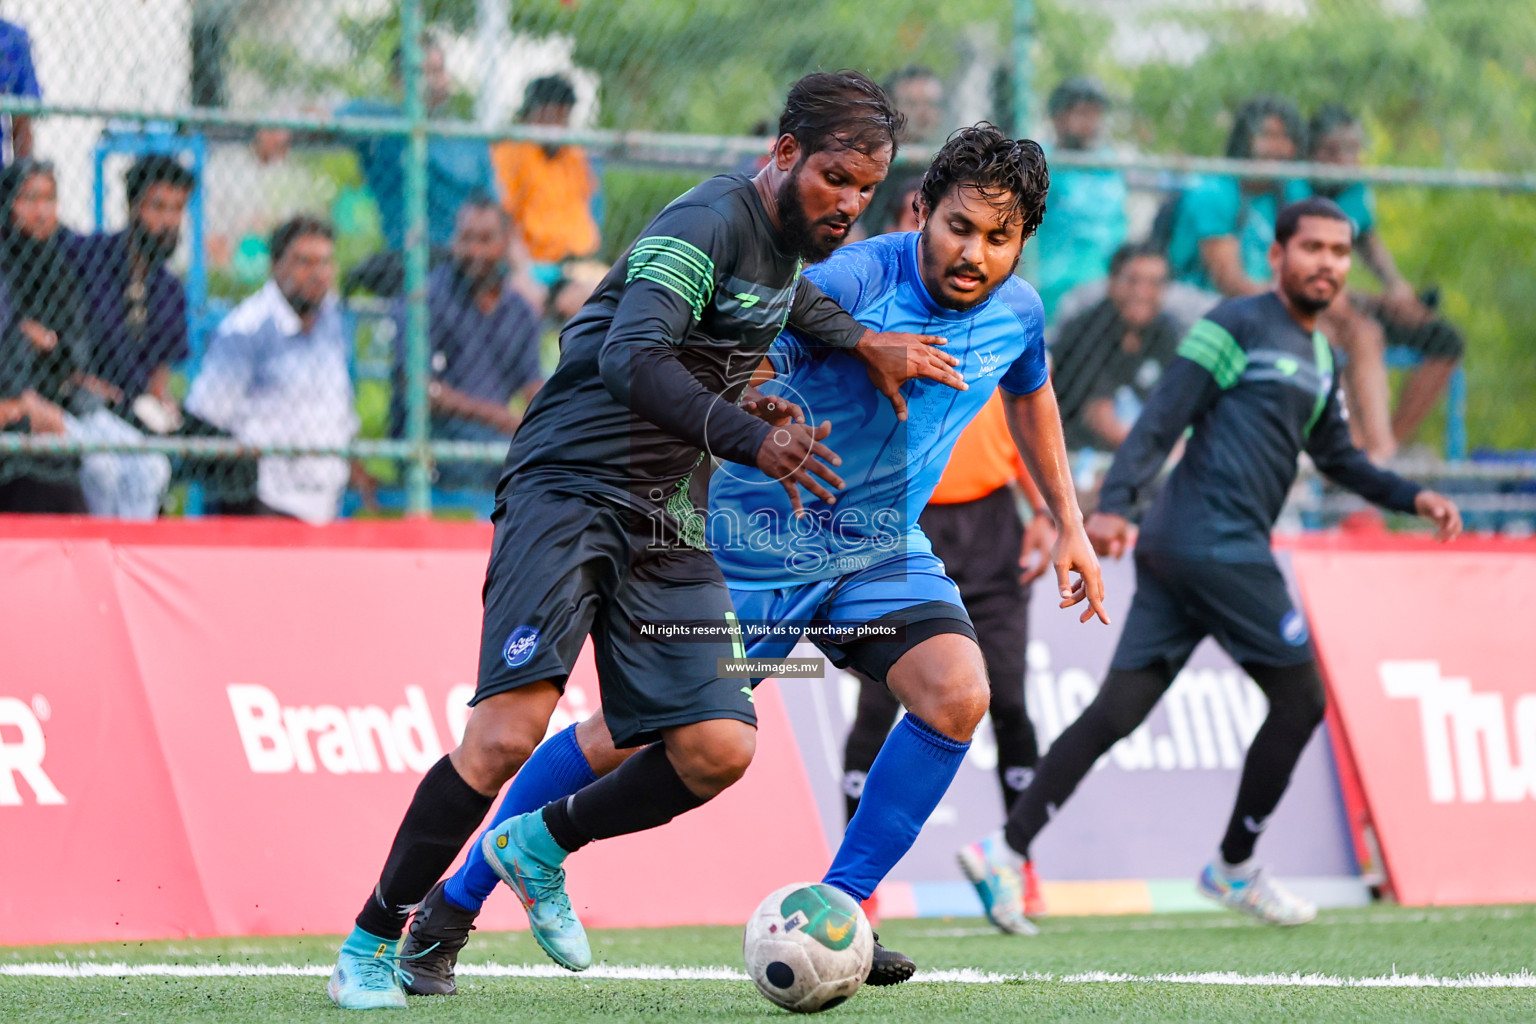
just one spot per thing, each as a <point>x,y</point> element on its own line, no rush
<point>808,947</point>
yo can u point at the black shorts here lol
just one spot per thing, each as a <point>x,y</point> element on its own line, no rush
<point>1180,602</point>
<point>563,566</point>
<point>1437,338</point>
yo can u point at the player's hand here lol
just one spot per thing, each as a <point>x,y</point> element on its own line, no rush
<point>1110,534</point>
<point>793,455</point>
<point>1035,557</point>
<point>1074,553</point>
<point>894,358</point>
<point>774,409</point>
<point>1441,511</point>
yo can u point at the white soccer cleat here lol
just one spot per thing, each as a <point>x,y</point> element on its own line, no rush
<point>1257,894</point>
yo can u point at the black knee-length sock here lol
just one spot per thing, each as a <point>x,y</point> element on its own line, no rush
<point>642,793</point>
<point>443,814</point>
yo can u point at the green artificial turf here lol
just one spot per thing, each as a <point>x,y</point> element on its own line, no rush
<point>1364,943</point>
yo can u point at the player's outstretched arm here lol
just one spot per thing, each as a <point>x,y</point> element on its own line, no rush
<point>1035,423</point>
<point>1335,455</point>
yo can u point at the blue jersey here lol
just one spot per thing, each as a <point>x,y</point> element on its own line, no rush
<point>890,468</point>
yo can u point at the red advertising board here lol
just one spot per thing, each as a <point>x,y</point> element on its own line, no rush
<point>1428,656</point>
<point>237,729</point>
<point>91,838</point>
<point>213,728</point>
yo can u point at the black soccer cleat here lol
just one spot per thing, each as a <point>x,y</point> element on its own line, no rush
<point>889,967</point>
<point>439,929</point>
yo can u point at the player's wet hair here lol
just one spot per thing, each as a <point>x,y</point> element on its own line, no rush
<point>1289,220</point>
<point>1009,173</point>
<point>1326,120</point>
<point>1251,115</point>
<point>840,109</point>
<point>1135,251</point>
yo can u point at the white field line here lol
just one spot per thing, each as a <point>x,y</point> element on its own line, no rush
<point>1525,979</point>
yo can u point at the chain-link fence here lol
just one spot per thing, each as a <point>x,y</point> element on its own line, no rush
<point>311,256</point>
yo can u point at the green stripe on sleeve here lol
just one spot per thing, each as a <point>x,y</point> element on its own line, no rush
<point>1210,345</point>
<point>675,265</point>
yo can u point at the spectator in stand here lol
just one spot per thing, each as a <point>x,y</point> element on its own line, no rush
<point>1224,226</point>
<point>919,97</point>
<point>49,311</point>
<point>137,311</point>
<point>1397,317</point>
<point>137,307</point>
<point>1107,359</point>
<point>484,344</point>
<point>17,78</point>
<point>31,483</point>
<point>548,189</point>
<point>1086,221</point>
<point>456,168</point>
<point>1221,238</point>
<point>277,373</point>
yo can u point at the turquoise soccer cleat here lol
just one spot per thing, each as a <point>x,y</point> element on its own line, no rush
<point>525,856</point>
<point>368,975</point>
<point>998,877</point>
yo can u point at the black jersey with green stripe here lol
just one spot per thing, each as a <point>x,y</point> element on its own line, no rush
<point>652,366</point>
<point>1258,390</point>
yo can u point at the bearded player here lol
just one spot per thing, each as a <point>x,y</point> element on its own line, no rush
<point>858,572</point>
<point>1255,382</point>
<point>648,379</point>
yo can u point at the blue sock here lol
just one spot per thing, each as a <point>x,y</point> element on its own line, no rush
<point>557,768</point>
<point>908,779</point>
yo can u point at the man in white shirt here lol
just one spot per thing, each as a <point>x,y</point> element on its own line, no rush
<point>277,374</point>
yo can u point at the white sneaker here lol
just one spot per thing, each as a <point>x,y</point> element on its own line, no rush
<point>1257,894</point>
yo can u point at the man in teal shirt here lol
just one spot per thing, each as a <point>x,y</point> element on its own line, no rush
<point>1085,223</point>
<point>456,168</point>
<point>1224,226</point>
<point>1368,324</point>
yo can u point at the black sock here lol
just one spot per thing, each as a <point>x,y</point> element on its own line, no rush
<point>443,814</point>
<point>1296,706</point>
<point>1017,749</point>
<point>871,725</point>
<point>1123,702</point>
<point>643,793</point>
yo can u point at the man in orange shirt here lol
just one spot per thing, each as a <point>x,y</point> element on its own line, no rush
<point>972,518</point>
<point>546,189</point>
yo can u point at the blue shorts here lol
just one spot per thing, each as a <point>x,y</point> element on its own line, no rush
<point>864,620</point>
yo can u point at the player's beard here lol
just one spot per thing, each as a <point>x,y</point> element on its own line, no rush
<point>798,231</point>
<point>1306,303</point>
<point>931,259</point>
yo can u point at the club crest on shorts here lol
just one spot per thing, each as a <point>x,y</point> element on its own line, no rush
<point>520,645</point>
<point>1293,628</point>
